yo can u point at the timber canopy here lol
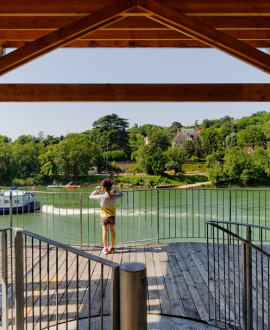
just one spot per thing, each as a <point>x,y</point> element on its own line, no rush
<point>37,27</point>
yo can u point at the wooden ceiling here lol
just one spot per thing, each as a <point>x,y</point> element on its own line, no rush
<point>36,27</point>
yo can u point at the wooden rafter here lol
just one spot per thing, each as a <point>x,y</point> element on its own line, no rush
<point>63,35</point>
<point>134,92</point>
<point>206,34</point>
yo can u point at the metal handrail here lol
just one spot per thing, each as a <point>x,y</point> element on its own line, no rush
<point>235,267</point>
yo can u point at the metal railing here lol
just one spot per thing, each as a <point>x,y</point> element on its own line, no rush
<point>238,275</point>
<point>148,215</point>
<point>45,283</point>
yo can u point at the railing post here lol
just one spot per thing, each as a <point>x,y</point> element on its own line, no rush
<point>10,208</point>
<point>157,215</point>
<point>133,286</point>
<point>19,299</point>
<point>81,231</point>
<point>247,281</point>
<point>4,281</point>
<point>115,299</point>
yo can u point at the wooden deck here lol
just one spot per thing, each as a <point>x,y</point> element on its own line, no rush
<point>176,273</point>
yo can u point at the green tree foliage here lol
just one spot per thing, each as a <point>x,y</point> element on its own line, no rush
<point>110,133</point>
<point>252,136</point>
<point>25,158</point>
<point>76,154</point>
<point>175,159</point>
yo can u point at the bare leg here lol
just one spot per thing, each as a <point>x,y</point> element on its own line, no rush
<point>112,235</point>
<point>104,235</point>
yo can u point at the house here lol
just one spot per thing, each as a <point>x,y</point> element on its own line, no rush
<point>183,135</point>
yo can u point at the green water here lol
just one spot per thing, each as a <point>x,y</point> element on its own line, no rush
<point>142,215</point>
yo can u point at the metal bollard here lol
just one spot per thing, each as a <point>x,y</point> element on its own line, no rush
<point>133,285</point>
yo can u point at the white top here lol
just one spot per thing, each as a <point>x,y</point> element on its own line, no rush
<point>106,201</point>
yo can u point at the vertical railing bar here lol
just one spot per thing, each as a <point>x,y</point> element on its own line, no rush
<point>53,216</point>
<point>66,204</point>
<point>229,273</point>
<point>218,272</point>
<point>56,286</point>
<point>95,241</point>
<point>169,213</point>
<point>101,295</point>
<point>186,191</point>
<point>127,218</point>
<point>239,276</point>
<point>224,275</point>
<point>145,208</point>
<point>198,213</point>
<point>12,274</point>
<point>26,282</point>
<point>33,295</point>
<point>4,259</point>
<point>133,217</point>
<point>48,285</point>
<point>81,223</point>
<point>215,281</point>
<point>257,288</point>
<point>66,290</point>
<point>163,213</point>
<point>88,221</point>
<point>208,272</point>
<point>39,284</point>
<point>19,285</point>
<point>151,208</point>
<point>234,284</point>
<point>262,272</point>
<point>89,294</point>
<point>73,218</point>
<point>192,210</point>
<point>59,216</point>
<point>77,291</point>
<point>268,290</point>
<point>158,216</point>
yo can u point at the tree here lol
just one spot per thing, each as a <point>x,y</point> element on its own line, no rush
<point>25,159</point>
<point>110,133</point>
<point>76,154</point>
<point>175,158</point>
<point>5,163</point>
<point>252,136</point>
<point>158,140</point>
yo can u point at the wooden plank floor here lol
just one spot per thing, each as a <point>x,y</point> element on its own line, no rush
<point>176,274</point>
<point>177,278</point>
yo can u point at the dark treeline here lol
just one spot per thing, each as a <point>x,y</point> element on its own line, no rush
<point>235,151</point>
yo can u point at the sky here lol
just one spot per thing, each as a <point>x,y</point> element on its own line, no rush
<point>115,65</point>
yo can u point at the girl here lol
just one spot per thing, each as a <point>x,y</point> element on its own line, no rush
<point>107,211</point>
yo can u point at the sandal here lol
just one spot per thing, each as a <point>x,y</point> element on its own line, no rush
<point>105,251</point>
<point>111,250</point>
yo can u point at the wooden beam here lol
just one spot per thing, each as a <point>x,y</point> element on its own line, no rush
<point>208,35</point>
<point>134,92</point>
<point>63,36</point>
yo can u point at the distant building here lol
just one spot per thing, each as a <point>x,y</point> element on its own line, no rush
<point>183,135</point>
<point>146,140</point>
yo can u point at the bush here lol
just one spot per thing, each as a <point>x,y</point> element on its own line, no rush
<point>23,182</point>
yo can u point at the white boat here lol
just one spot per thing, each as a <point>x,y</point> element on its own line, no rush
<point>19,201</point>
<point>55,185</point>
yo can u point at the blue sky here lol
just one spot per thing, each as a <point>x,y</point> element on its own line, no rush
<point>97,65</point>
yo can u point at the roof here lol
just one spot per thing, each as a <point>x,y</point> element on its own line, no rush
<point>37,27</point>
<point>186,134</point>
<point>145,23</point>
